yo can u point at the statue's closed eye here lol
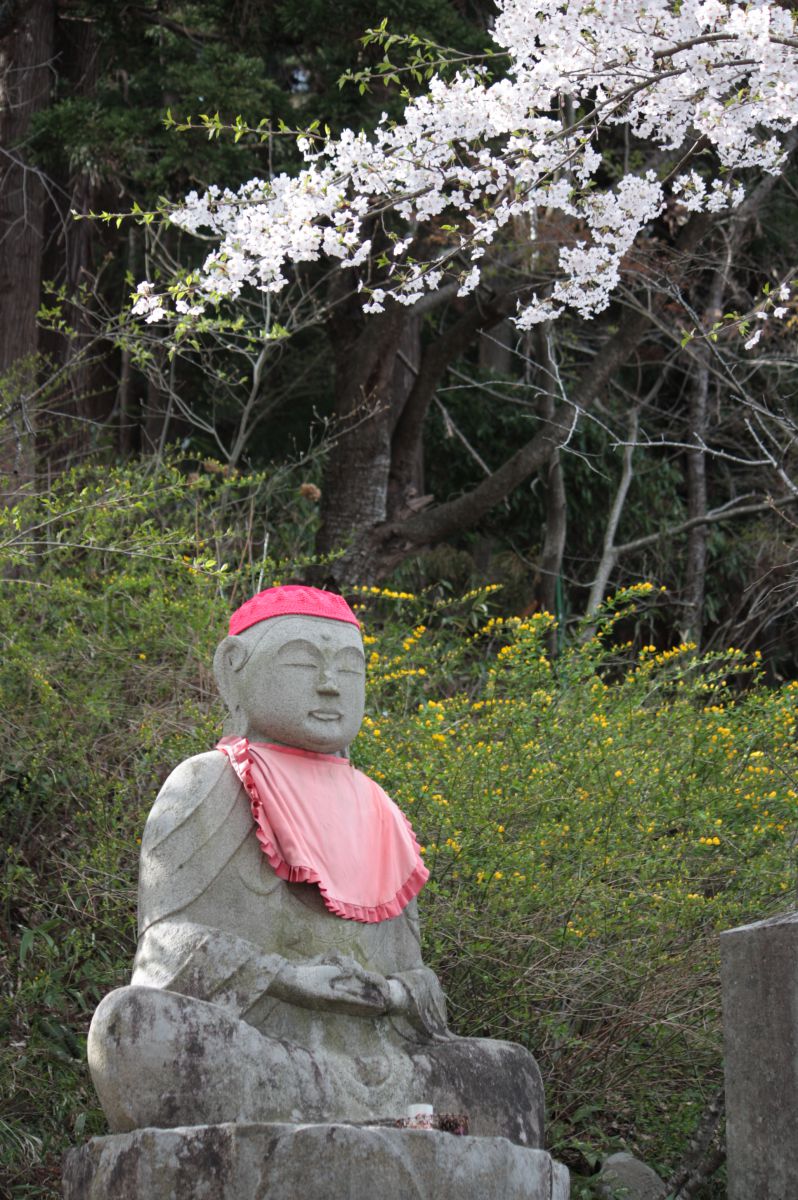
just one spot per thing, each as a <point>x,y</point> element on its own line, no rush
<point>304,656</point>
<point>299,653</point>
<point>350,663</point>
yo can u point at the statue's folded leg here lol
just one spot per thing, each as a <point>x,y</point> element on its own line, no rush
<point>163,1059</point>
<point>497,1084</point>
<point>159,1058</point>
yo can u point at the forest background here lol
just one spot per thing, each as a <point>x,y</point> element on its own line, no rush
<point>149,483</point>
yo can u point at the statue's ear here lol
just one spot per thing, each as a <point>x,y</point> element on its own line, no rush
<point>230,656</point>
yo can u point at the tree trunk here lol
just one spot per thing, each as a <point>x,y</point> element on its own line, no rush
<point>697,501</point>
<point>92,398</point>
<point>556,509</point>
<point>696,468</point>
<point>408,363</point>
<point>126,419</point>
<point>407,441</point>
<point>26,51</point>
<point>355,487</point>
<point>154,408</point>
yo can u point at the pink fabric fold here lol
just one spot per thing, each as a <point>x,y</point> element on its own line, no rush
<point>319,820</point>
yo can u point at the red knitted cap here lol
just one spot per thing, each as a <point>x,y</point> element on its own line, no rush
<point>291,600</point>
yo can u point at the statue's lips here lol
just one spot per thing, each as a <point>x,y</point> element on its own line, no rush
<point>321,714</point>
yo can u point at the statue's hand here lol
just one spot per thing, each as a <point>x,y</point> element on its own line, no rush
<point>355,988</point>
<point>416,995</point>
<point>334,983</point>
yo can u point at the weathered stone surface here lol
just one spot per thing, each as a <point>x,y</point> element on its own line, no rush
<point>162,1059</point>
<point>759,975</point>
<point>283,1162</point>
<point>623,1175</point>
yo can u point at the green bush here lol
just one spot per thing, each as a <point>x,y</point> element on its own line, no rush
<point>112,598</point>
<point>590,823</point>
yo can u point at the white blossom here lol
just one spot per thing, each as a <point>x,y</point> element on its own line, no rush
<point>478,155</point>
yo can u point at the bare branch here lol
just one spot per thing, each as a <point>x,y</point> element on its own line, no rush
<point>452,430</point>
<point>711,518</point>
<point>609,554</point>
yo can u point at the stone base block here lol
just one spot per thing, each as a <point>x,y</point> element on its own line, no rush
<point>283,1162</point>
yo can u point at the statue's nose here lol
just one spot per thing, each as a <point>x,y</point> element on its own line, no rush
<point>327,685</point>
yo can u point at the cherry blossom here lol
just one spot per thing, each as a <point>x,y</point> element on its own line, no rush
<point>477,155</point>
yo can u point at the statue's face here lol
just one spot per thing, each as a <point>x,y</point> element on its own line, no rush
<point>304,683</point>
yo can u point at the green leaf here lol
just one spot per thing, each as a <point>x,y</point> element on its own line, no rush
<point>25,945</point>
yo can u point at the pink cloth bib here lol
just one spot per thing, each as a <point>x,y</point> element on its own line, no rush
<point>318,820</point>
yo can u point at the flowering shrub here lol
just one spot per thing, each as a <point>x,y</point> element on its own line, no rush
<point>591,825</point>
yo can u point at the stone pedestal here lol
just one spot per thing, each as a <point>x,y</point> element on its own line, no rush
<point>282,1162</point>
<point>759,972</point>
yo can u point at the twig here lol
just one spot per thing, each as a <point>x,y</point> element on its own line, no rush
<point>453,431</point>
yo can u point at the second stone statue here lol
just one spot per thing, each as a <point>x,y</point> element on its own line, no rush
<point>279,976</point>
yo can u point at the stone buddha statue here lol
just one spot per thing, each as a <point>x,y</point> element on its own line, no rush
<point>278,975</point>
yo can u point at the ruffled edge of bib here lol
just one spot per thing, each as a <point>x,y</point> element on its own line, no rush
<point>237,752</point>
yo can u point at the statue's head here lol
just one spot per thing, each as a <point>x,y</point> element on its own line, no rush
<point>292,670</point>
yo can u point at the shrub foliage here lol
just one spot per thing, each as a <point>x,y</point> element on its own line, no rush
<point>591,821</point>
